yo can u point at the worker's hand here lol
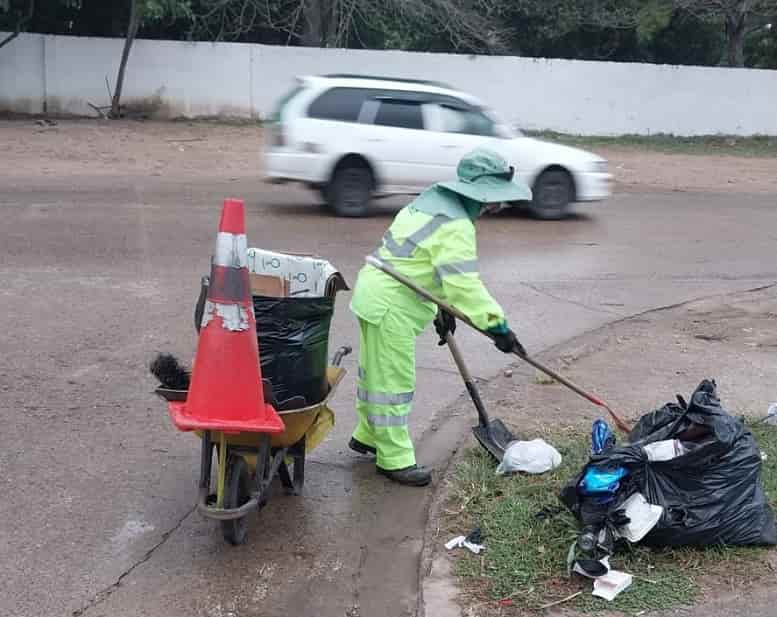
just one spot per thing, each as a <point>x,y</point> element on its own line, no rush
<point>445,324</point>
<point>507,342</point>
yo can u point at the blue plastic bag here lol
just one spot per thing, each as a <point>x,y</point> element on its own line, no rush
<point>602,437</point>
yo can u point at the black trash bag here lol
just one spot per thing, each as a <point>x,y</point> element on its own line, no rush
<point>712,494</point>
<point>293,335</point>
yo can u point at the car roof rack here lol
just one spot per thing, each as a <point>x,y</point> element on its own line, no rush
<point>404,80</point>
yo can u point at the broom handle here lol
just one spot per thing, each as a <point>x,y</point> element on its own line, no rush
<point>392,272</point>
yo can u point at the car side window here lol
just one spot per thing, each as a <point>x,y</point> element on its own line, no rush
<point>466,121</point>
<point>401,114</point>
<point>341,104</point>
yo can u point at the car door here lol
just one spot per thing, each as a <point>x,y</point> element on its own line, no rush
<point>396,140</point>
<point>459,128</point>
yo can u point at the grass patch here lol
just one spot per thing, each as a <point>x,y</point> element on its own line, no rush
<point>759,146</point>
<point>526,555</point>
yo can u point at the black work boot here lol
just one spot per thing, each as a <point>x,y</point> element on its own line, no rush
<point>410,476</point>
<point>361,448</point>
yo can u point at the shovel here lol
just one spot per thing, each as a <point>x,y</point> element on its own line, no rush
<point>388,269</point>
<point>493,435</point>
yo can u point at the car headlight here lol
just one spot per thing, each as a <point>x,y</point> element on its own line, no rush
<point>599,167</point>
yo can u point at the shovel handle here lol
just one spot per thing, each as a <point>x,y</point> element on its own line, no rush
<point>392,272</point>
<point>469,383</point>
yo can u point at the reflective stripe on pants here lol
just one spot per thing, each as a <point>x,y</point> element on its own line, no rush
<point>385,391</point>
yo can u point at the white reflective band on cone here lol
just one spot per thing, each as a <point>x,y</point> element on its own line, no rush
<point>231,250</point>
<point>233,316</point>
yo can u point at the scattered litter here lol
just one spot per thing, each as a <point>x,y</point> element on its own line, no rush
<point>771,415</point>
<point>461,542</point>
<point>642,516</point>
<point>508,372</point>
<point>535,456</point>
<point>612,584</point>
<point>472,542</point>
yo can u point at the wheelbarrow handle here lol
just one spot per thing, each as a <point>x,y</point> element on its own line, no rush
<point>340,354</point>
<point>392,272</point>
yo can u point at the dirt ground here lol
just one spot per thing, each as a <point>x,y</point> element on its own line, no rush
<point>637,365</point>
<point>231,150</point>
<point>640,363</point>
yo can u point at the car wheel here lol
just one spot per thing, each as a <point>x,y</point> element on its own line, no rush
<point>350,190</point>
<point>552,194</point>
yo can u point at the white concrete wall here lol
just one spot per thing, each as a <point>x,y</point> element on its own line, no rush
<point>226,79</point>
<point>22,80</point>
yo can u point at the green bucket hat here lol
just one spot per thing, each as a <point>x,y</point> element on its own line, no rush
<point>485,177</point>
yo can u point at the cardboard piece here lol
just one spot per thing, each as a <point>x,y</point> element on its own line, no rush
<point>268,286</point>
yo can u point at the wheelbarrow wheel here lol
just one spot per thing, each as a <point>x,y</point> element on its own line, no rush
<point>237,491</point>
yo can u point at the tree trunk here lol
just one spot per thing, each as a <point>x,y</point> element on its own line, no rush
<point>735,41</point>
<point>313,34</point>
<point>132,30</point>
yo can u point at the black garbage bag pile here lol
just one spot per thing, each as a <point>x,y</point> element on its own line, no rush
<point>711,493</point>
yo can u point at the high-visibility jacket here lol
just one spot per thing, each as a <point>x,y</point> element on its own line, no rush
<point>432,241</point>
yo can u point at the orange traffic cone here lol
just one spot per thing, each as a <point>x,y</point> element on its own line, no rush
<point>226,391</point>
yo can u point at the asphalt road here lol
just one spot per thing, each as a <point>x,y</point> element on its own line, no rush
<point>99,273</point>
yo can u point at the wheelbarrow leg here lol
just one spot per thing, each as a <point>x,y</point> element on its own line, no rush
<point>285,478</point>
<point>262,469</point>
<point>206,459</point>
<point>294,480</point>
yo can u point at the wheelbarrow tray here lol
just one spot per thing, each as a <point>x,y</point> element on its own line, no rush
<point>297,422</point>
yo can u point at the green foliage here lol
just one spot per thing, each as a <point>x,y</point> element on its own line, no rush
<point>652,18</point>
<point>159,9</point>
<point>625,30</point>
<point>755,147</point>
<point>761,47</point>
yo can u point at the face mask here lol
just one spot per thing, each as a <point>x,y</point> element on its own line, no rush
<point>493,208</point>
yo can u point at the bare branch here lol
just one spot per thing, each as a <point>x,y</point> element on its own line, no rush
<point>20,24</point>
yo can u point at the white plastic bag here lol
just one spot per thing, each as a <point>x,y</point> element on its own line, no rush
<point>535,456</point>
<point>664,450</point>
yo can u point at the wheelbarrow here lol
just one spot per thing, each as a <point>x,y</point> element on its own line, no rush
<point>248,463</point>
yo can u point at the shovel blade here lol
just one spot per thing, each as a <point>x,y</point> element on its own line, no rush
<point>494,437</point>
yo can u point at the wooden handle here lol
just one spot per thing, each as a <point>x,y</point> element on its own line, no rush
<point>389,270</point>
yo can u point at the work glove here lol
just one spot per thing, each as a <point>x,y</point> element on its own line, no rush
<point>445,324</point>
<point>505,340</point>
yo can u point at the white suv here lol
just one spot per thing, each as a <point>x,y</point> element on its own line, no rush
<point>354,138</point>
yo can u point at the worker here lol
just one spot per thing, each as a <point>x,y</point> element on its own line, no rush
<point>432,241</point>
